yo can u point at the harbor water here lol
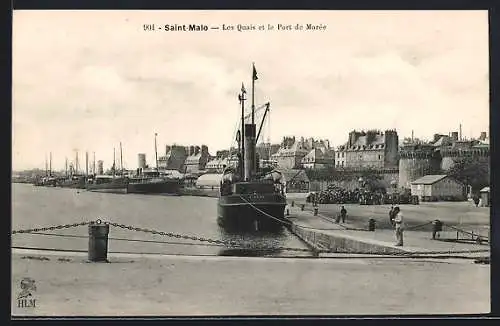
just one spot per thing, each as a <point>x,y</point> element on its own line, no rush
<point>38,207</point>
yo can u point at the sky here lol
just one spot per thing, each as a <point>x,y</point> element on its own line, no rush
<point>88,80</point>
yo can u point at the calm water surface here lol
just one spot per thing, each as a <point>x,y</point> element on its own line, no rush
<point>35,207</point>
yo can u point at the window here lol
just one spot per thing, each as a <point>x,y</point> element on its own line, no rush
<point>380,157</point>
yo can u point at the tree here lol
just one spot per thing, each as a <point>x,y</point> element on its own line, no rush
<point>471,172</point>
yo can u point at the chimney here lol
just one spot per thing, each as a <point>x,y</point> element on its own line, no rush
<point>483,135</point>
<point>141,160</point>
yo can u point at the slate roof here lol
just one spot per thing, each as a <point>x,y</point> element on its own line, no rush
<point>429,179</point>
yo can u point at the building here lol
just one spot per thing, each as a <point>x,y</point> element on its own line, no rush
<point>370,149</point>
<point>439,155</point>
<point>174,159</point>
<point>485,197</point>
<point>292,151</point>
<point>296,180</point>
<point>197,159</point>
<point>318,158</point>
<point>437,187</point>
<point>415,161</point>
<point>209,181</point>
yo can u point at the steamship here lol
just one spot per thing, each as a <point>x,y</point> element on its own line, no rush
<point>251,198</point>
<point>152,182</point>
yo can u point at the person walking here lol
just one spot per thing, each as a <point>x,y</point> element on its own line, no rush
<point>398,226</point>
<point>343,214</point>
<point>391,216</point>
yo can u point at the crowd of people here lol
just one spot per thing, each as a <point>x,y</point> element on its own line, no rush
<point>338,195</point>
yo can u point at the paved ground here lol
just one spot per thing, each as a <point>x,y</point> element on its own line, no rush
<point>459,214</point>
<point>175,285</point>
<point>417,240</point>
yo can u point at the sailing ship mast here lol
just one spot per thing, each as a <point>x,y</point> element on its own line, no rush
<point>46,168</point>
<point>93,166</point>
<point>50,164</point>
<point>66,167</point>
<point>114,162</point>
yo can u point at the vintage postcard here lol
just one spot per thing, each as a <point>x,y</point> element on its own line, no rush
<point>236,163</point>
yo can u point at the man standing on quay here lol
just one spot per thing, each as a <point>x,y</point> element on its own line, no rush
<point>398,226</point>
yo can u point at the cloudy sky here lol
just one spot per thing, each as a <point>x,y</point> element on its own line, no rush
<point>89,80</point>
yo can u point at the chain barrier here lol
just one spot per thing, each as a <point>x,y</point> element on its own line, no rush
<point>235,245</point>
<point>53,228</point>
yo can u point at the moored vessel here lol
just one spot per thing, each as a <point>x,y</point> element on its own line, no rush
<point>251,198</point>
<point>108,183</point>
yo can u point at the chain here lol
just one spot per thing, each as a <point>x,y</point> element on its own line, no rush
<point>52,228</point>
<point>236,245</point>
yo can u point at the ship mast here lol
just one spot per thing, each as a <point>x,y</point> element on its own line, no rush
<point>250,156</point>
<point>46,168</point>
<point>86,164</point>
<point>50,164</point>
<point>241,141</point>
<point>93,166</point>
<point>76,163</point>
<point>121,158</point>
<point>66,167</point>
<point>114,162</point>
<point>156,154</point>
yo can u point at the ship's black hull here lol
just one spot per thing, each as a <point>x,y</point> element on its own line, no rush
<point>247,214</point>
<point>154,187</point>
<point>72,184</point>
<point>117,186</point>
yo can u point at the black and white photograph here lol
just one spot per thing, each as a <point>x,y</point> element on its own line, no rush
<point>250,163</point>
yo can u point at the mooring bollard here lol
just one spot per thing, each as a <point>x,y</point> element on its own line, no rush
<point>437,226</point>
<point>371,224</point>
<point>98,241</point>
<point>302,207</point>
<point>315,211</point>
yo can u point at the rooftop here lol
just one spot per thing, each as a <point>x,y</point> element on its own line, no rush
<point>429,179</point>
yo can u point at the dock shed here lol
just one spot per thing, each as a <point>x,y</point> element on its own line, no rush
<point>438,187</point>
<point>485,196</point>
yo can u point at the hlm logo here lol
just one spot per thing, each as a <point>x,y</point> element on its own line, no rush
<point>25,298</point>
